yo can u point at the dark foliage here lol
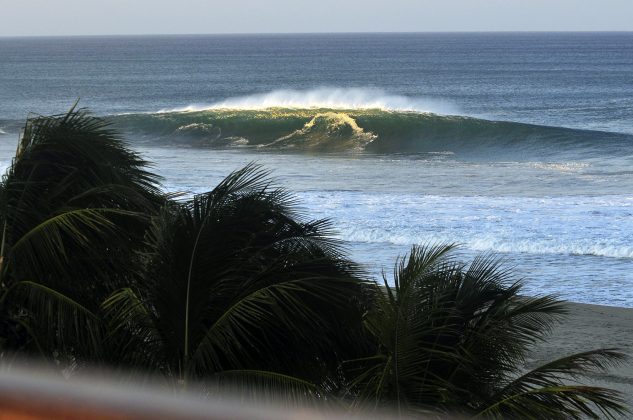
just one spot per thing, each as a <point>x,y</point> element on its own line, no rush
<point>232,288</point>
<point>454,338</point>
<point>231,280</point>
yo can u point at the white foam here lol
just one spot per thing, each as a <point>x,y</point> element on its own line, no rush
<point>536,246</point>
<point>486,243</point>
<point>561,166</point>
<point>331,98</point>
<point>581,225</point>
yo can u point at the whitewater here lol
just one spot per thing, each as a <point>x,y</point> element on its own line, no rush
<point>519,145</point>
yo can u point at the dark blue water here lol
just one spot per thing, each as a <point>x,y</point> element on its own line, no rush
<point>394,136</point>
<point>579,80</point>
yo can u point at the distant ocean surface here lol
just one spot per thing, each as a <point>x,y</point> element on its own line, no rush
<point>519,144</point>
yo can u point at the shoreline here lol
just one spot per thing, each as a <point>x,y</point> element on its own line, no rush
<point>588,327</point>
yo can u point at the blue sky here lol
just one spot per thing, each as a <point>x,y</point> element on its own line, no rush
<point>94,17</point>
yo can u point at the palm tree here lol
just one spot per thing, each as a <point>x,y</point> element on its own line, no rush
<point>454,338</point>
<point>235,288</point>
<point>74,206</point>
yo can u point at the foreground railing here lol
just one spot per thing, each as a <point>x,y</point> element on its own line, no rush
<point>27,393</point>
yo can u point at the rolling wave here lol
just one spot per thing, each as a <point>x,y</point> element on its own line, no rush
<point>372,130</point>
<point>490,243</point>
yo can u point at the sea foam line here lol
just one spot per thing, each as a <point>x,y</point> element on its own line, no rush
<point>330,98</point>
<point>489,243</point>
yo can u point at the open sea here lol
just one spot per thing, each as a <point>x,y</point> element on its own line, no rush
<point>520,144</point>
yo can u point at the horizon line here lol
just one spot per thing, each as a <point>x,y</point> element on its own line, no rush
<point>320,33</point>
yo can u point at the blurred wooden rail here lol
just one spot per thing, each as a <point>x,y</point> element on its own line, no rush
<point>32,394</point>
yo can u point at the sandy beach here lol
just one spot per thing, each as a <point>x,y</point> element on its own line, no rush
<point>588,327</point>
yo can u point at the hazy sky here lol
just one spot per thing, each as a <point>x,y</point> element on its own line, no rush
<point>92,17</point>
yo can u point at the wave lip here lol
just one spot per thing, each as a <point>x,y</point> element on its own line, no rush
<point>300,122</point>
<point>330,132</point>
<point>325,98</point>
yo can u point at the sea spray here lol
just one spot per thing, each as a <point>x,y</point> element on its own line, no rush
<point>326,98</point>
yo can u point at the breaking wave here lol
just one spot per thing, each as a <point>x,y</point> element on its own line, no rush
<point>326,98</point>
<point>347,120</point>
<point>487,243</point>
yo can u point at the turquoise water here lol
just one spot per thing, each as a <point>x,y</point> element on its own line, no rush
<point>519,144</point>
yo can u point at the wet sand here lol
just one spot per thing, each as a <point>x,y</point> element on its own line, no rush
<point>589,327</point>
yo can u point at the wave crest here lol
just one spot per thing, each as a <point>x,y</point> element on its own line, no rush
<point>330,98</point>
<point>490,243</point>
<point>374,131</point>
<point>330,132</point>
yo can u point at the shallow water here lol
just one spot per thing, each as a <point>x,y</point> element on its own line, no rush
<point>578,244</point>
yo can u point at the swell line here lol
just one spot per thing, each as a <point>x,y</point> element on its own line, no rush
<point>367,130</point>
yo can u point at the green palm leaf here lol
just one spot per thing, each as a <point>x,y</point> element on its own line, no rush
<point>76,325</point>
<point>48,245</point>
<point>74,206</point>
<point>452,337</point>
<point>258,386</point>
<point>542,392</point>
<point>232,278</point>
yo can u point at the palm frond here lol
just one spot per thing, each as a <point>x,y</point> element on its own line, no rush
<point>233,275</point>
<point>569,367</point>
<point>46,245</point>
<point>261,386</point>
<point>559,402</point>
<point>133,337</point>
<point>447,334</point>
<point>74,324</point>
<point>74,205</point>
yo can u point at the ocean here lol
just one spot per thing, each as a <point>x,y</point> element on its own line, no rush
<point>517,144</point>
